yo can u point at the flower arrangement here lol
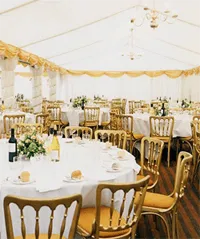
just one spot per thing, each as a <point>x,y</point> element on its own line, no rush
<point>30,144</point>
<point>185,104</point>
<point>79,101</point>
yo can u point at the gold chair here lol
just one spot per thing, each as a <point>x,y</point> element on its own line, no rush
<point>44,120</point>
<point>9,120</point>
<point>91,116</point>
<point>162,128</point>
<point>196,117</point>
<point>22,128</point>
<point>80,131</point>
<point>151,154</point>
<point>195,127</point>
<point>37,204</point>
<point>116,110</point>
<point>55,116</point>
<point>125,122</point>
<point>106,221</point>
<point>116,137</point>
<point>27,109</point>
<point>124,106</point>
<point>162,205</point>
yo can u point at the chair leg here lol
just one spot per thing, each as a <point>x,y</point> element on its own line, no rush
<point>177,226</point>
<point>174,224</point>
<point>163,219</point>
<point>168,154</point>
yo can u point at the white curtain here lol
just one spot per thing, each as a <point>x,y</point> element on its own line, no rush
<point>52,84</point>
<point>23,86</point>
<point>36,88</point>
<point>191,88</point>
<point>135,88</point>
<point>7,80</point>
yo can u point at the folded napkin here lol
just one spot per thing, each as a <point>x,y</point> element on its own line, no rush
<point>50,178</point>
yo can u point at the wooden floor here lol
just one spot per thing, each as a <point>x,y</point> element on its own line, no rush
<point>189,207</point>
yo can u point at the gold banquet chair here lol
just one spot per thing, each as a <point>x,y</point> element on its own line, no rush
<point>162,205</point>
<point>37,204</point>
<point>55,116</point>
<point>44,120</point>
<point>195,127</point>
<point>80,131</point>
<point>162,128</point>
<point>22,128</point>
<point>151,154</point>
<point>116,137</point>
<point>9,120</point>
<point>91,116</point>
<point>106,221</point>
<point>125,122</point>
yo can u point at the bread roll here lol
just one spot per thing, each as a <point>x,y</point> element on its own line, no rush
<point>76,174</point>
<point>25,176</point>
<point>115,166</point>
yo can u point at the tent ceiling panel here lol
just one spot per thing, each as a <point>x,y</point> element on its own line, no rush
<point>92,33</point>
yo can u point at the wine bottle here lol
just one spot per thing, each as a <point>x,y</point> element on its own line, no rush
<point>12,146</point>
<point>163,109</point>
<point>55,147</point>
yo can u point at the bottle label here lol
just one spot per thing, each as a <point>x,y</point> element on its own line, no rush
<point>54,155</point>
<point>12,147</point>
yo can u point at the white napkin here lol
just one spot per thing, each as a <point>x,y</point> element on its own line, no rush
<point>49,177</point>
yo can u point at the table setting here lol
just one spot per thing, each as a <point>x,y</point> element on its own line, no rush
<point>83,165</point>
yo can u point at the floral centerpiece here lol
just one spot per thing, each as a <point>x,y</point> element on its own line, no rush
<point>79,101</point>
<point>31,144</point>
<point>185,104</point>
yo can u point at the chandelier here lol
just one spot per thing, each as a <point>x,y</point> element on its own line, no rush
<point>156,17</point>
<point>130,53</point>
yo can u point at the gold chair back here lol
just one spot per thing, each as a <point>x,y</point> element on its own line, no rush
<point>91,116</point>
<point>161,126</point>
<point>37,204</point>
<point>22,128</point>
<point>116,137</point>
<point>124,106</point>
<point>116,110</point>
<point>116,220</point>
<point>151,154</point>
<point>27,109</point>
<point>196,117</point>
<point>182,173</point>
<point>44,120</point>
<point>54,113</point>
<point>80,131</point>
<point>9,120</point>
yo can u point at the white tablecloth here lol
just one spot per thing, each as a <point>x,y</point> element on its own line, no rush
<point>91,158</point>
<point>75,116</point>
<point>29,118</point>
<point>182,126</point>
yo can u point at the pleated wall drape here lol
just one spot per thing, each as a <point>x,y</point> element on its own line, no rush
<point>7,80</point>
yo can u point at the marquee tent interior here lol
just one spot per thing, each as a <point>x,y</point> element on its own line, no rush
<point>93,35</point>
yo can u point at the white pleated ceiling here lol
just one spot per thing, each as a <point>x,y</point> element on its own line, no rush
<point>91,34</point>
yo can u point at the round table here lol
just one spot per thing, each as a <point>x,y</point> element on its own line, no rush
<point>92,158</point>
<point>182,126</point>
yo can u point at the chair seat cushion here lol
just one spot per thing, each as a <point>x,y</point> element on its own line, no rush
<point>138,136</point>
<point>87,216</point>
<point>188,138</point>
<point>42,236</point>
<point>139,177</point>
<point>164,139</point>
<point>157,200</point>
<point>105,123</point>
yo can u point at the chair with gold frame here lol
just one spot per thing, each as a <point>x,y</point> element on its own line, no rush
<point>162,205</point>
<point>161,127</point>
<point>150,158</point>
<point>37,204</point>
<point>124,106</point>
<point>79,131</point>
<point>195,127</point>
<point>91,116</point>
<point>44,120</point>
<point>116,137</point>
<point>9,120</point>
<point>125,122</point>
<point>105,221</point>
<point>196,117</point>
<point>55,116</point>
<point>22,128</point>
